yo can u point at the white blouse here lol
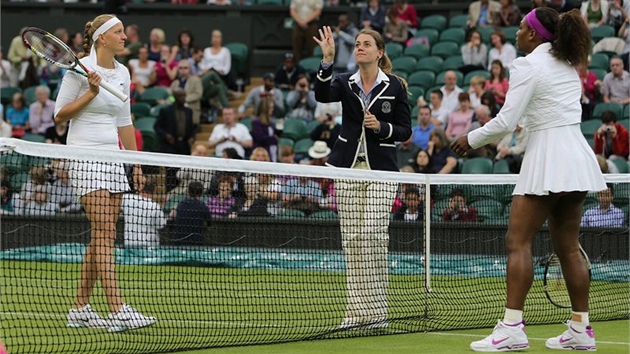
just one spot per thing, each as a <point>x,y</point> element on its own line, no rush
<point>143,75</point>
<point>97,124</point>
<point>507,55</point>
<point>544,93</point>
<point>221,61</point>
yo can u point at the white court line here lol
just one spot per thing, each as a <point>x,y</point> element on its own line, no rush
<point>530,338</point>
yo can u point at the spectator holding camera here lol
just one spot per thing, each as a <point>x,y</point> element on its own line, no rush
<point>611,138</point>
<point>301,101</point>
<point>267,89</point>
<point>457,209</point>
<point>616,84</point>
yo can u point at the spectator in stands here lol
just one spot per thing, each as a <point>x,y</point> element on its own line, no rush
<point>444,160</point>
<point>144,217</point>
<point>474,53</point>
<point>230,134</point>
<point>195,61</point>
<point>539,3</point>
<point>396,30</point>
<point>591,86</point>
<point>482,114</point>
<point>407,13</point>
<point>142,70</point>
<point>192,88</point>
<point>214,90</point>
<point>457,209</point>
<point>221,204</point>
<point>512,148</point>
<point>190,220</point>
<point>501,50</point>
<point>305,14</point>
<point>286,154</point>
<point>476,90</point>
<point>219,59</point>
<point>185,46</point>
<point>421,132</point>
<point>264,134</point>
<point>22,58</point>
<point>132,49</point>
<point>324,110</point>
<point>422,162</point>
<point>459,121</point>
<point>413,207</point>
<point>174,126</point>
<point>611,138</point>
<point>288,73</point>
<point>373,16</point>
<point>38,176</point>
<point>76,42</point>
<point>594,12</point>
<point>344,34</point>
<point>564,5</point>
<point>318,156</point>
<point>57,134</point>
<point>265,90</point>
<point>406,152</point>
<point>301,101</point>
<point>328,131</point>
<point>157,39</point>
<point>488,99</point>
<point>41,111</point>
<point>617,14</point>
<point>624,34</point>
<point>164,71</point>
<point>6,197</point>
<point>606,214</point>
<point>508,15</point>
<point>302,193</point>
<point>255,204</point>
<point>439,112</point>
<point>39,203</point>
<point>7,76</point>
<point>62,192</point>
<point>616,84</point>
<point>450,92</point>
<point>17,116</point>
<point>497,83</point>
<point>482,13</point>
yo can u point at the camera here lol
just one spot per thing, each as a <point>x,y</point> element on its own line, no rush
<point>329,117</point>
<point>302,85</point>
<point>607,129</point>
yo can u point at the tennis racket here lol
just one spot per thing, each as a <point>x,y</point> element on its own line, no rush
<point>553,283</point>
<point>55,51</point>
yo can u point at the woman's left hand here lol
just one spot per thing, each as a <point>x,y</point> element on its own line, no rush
<point>460,145</point>
<point>370,122</point>
<point>138,178</point>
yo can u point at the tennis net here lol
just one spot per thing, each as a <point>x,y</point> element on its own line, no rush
<point>264,259</point>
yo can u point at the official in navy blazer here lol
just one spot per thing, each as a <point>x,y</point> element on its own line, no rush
<point>375,115</point>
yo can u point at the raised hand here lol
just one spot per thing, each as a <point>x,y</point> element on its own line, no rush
<point>327,43</point>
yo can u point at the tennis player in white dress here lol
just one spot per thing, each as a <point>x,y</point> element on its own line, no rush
<point>558,169</point>
<point>97,119</point>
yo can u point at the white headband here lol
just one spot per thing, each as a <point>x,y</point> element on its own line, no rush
<point>105,27</point>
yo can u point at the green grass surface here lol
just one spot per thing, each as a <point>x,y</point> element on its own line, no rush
<point>202,307</point>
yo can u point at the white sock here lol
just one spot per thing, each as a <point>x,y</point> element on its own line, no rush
<point>513,317</point>
<point>579,321</point>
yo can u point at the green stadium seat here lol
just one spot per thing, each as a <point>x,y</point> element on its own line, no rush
<point>310,126</point>
<point>270,2</point>
<point>622,165</point>
<point>485,74</point>
<point>430,34</point>
<point>173,201</point>
<point>155,110</point>
<point>34,138</point>
<point>146,124</point>
<point>140,109</point>
<point>432,63</point>
<point>602,107</point>
<point>439,80</point>
<point>317,51</point>
<point>324,215</point>
<point>311,64</point>
<point>401,74</point>
<point>445,49</point>
<point>477,165</point>
<point>590,141</point>
<point>14,163</point>
<point>17,180</point>
<point>488,209</point>
<point>393,50</point>
<point>153,95</point>
<point>417,51</point>
<point>422,78</point>
<point>510,33</point>
<point>625,122</point>
<point>599,61</point>
<point>301,146</point>
<point>285,142</point>
<point>455,35</point>
<point>458,21</point>
<point>600,73</point>
<point>240,56</point>
<point>626,112</point>
<point>438,209</point>
<point>500,167</point>
<point>291,214</point>
<point>406,64</point>
<point>294,129</point>
<point>437,22</point>
<point>6,93</point>
<point>453,62</point>
<point>149,140</point>
<point>485,33</point>
<point>29,95</point>
<point>589,127</point>
<point>415,92</point>
<point>246,121</point>
<point>603,31</point>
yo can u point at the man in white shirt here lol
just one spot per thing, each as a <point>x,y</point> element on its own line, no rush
<point>265,90</point>
<point>438,111</point>
<point>616,84</point>
<point>143,218</point>
<point>230,134</point>
<point>451,91</point>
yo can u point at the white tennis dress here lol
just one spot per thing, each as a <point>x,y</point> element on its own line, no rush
<point>544,98</point>
<point>97,126</point>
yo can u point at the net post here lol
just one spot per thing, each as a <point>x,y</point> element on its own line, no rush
<point>427,233</point>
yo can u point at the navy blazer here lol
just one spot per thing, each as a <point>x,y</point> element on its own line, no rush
<point>389,105</point>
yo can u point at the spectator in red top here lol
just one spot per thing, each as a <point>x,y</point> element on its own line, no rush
<point>611,139</point>
<point>406,13</point>
<point>497,83</point>
<point>590,91</point>
<point>457,209</point>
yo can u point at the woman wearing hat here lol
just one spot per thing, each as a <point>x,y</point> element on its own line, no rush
<point>375,116</point>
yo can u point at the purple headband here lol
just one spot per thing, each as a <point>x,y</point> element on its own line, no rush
<point>541,31</point>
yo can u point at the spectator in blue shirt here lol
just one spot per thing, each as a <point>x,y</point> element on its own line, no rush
<point>422,132</point>
<point>605,214</point>
<point>190,220</point>
<point>17,115</point>
<point>303,194</point>
<point>373,16</point>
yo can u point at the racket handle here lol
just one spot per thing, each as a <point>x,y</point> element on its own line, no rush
<point>111,89</point>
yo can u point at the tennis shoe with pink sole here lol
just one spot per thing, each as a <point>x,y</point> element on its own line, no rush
<point>504,338</point>
<point>572,339</point>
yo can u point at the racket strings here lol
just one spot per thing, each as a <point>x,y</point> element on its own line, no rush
<point>50,50</point>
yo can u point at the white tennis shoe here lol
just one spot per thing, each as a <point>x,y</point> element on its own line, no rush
<point>504,338</point>
<point>86,317</point>
<point>128,318</point>
<point>573,340</point>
